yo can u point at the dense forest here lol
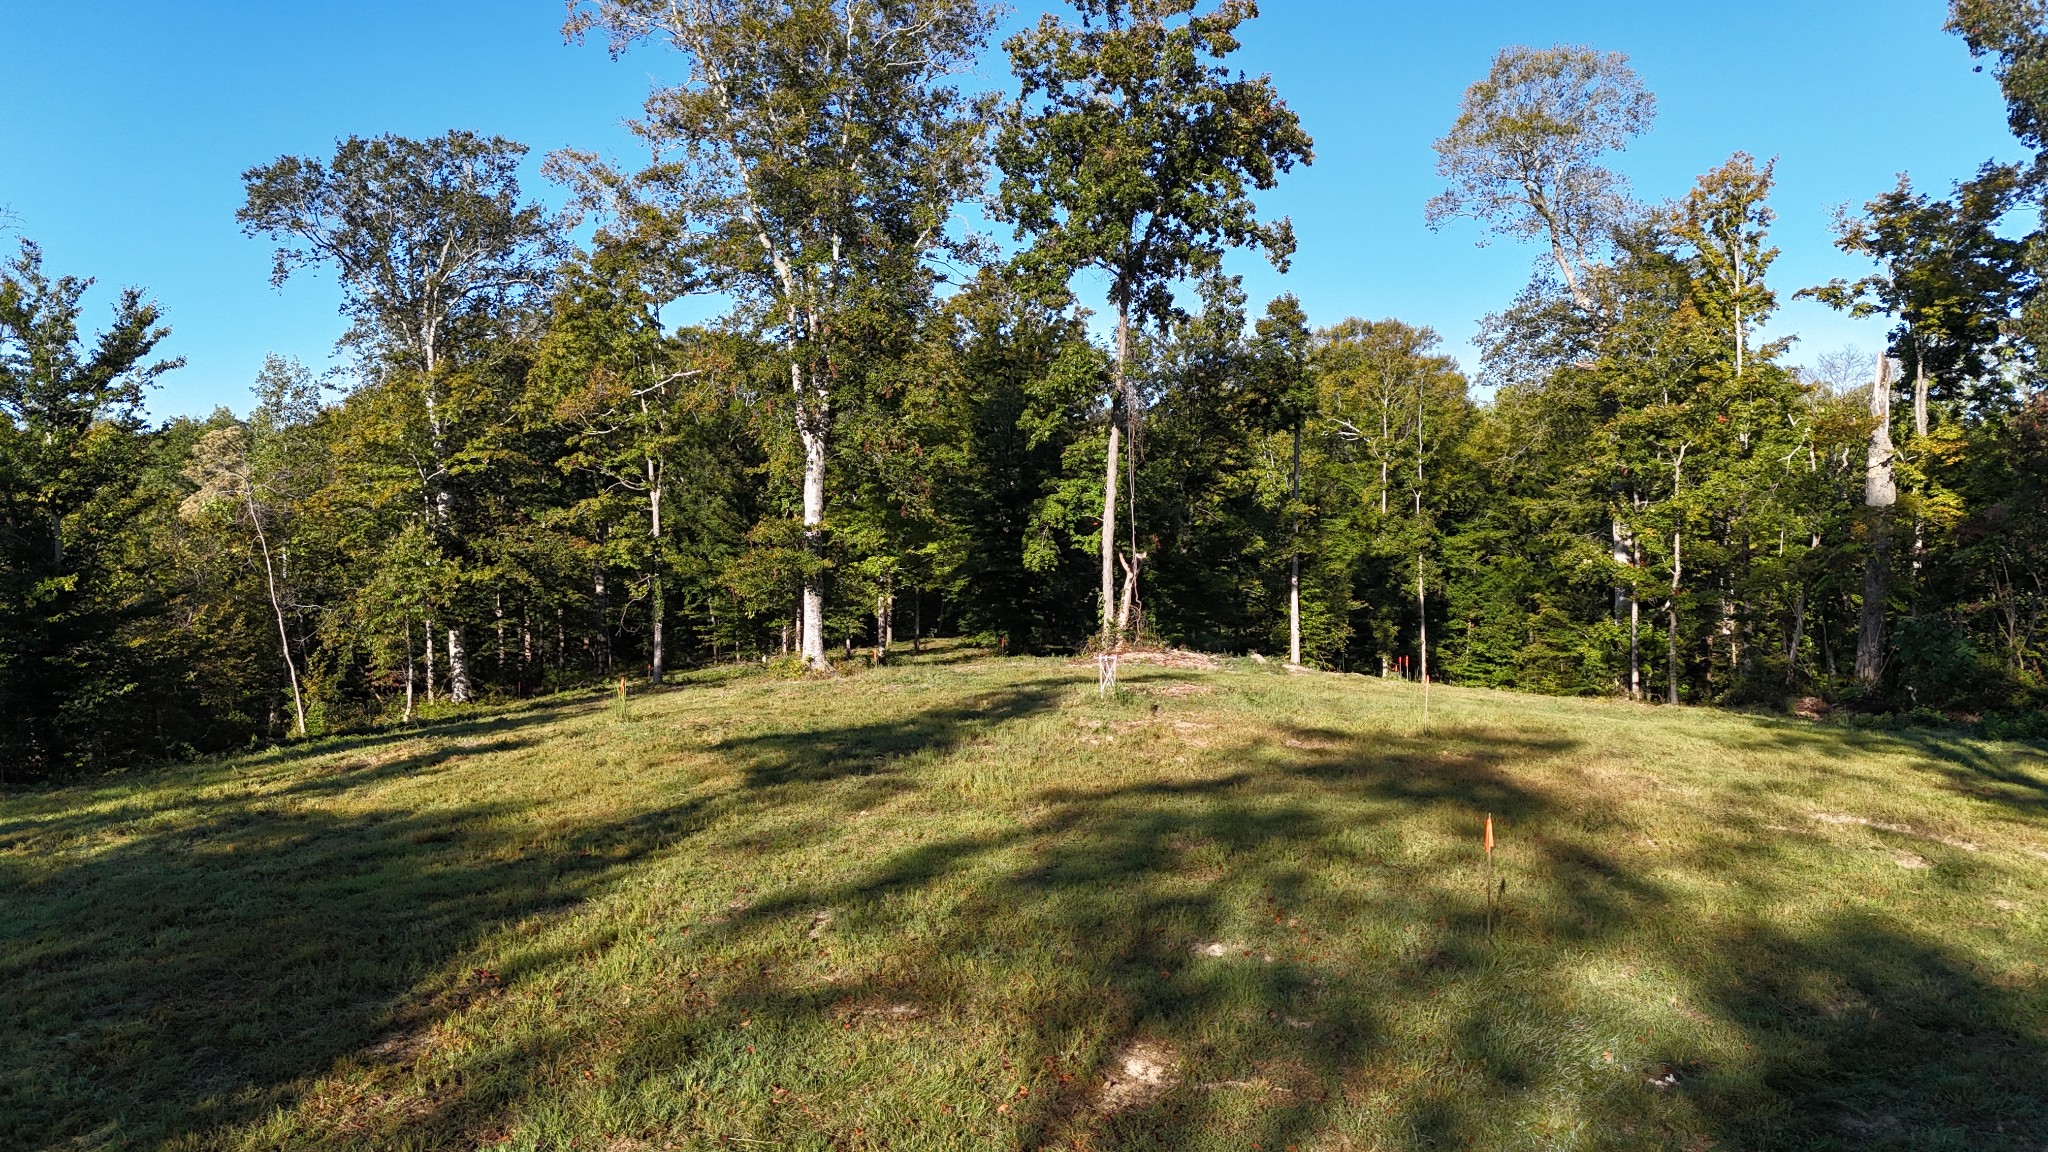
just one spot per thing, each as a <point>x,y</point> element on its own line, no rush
<point>1076,431</point>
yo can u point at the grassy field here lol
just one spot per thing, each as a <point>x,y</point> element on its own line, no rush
<point>965,904</point>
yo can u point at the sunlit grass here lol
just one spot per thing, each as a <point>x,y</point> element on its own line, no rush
<point>968,904</point>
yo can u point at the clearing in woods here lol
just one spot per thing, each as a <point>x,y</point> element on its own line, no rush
<point>962,903</point>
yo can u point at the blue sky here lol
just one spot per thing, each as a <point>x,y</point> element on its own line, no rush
<point>125,125</point>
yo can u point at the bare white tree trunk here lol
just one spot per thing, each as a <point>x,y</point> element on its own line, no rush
<point>408,673</point>
<point>1920,389</point>
<point>441,500</point>
<point>811,427</point>
<point>1880,495</point>
<point>1118,399</point>
<point>657,605</point>
<point>458,668</point>
<point>1109,549</point>
<point>1635,648</point>
<point>284,639</point>
<point>428,666</point>
<point>1920,428</point>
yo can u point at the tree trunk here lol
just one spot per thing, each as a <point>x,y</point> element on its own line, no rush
<point>428,667</point>
<point>1624,597</point>
<point>1920,428</point>
<point>1109,549</point>
<point>458,668</point>
<point>1123,612</point>
<point>812,419</point>
<point>1119,399</point>
<point>408,672</point>
<point>291,668</point>
<point>885,613</point>
<point>657,608</point>
<point>441,501</point>
<point>1880,494</point>
<point>1294,559</point>
<point>525,648</point>
<point>1635,647</point>
<point>1920,388</point>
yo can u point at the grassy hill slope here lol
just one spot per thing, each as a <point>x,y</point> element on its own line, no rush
<point>964,903</point>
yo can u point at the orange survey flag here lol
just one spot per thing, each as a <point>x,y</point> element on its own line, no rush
<point>1489,833</point>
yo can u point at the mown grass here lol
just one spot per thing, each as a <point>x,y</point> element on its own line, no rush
<point>967,904</point>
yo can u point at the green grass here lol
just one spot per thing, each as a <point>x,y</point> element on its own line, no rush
<point>947,905</point>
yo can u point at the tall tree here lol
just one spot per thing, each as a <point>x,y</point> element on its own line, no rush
<point>1952,282</point>
<point>1282,349</point>
<point>808,163</point>
<point>1524,155</point>
<point>638,411</point>
<point>1133,150</point>
<point>1389,399</point>
<point>72,451</point>
<point>432,243</point>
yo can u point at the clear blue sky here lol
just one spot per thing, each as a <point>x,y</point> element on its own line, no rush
<point>124,126</point>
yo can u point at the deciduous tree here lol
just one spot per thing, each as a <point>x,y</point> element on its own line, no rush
<point>1132,149</point>
<point>808,163</point>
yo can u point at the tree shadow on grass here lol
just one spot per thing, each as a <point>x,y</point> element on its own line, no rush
<point>174,964</point>
<point>1138,895</point>
<point>1195,915</point>
<point>1866,1035</point>
<point>488,720</point>
<point>2014,776</point>
<point>1295,931</point>
<point>802,753</point>
<point>181,977</point>
<point>58,813</point>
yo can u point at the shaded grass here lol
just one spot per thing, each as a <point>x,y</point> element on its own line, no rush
<point>940,906</point>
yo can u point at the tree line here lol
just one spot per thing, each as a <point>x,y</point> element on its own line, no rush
<point>899,428</point>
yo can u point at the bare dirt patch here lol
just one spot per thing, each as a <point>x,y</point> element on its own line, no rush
<point>880,1012</point>
<point>1139,1075</point>
<point>1901,829</point>
<point>1160,658</point>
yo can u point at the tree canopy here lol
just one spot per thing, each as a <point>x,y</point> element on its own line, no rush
<point>883,427</point>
